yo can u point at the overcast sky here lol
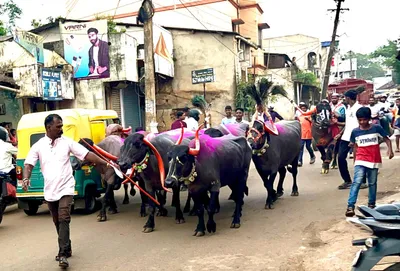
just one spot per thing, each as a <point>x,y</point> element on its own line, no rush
<point>366,26</point>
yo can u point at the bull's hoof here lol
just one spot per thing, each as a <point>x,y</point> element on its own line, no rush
<point>324,171</point>
<point>295,194</point>
<point>162,212</point>
<point>180,221</point>
<point>269,206</point>
<point>199,233</point>
<point>235,225</point>
<point>132,192</point>
<point>126,201</point>
<point>334,166</point>
<point>101,218</point>
<point>148,229</point>
<point>279,194</point>
<point>211,226</point>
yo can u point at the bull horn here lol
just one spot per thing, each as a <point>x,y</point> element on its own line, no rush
<point>104,153</point>
<point>127,130</point>
<point>196,150</point>
<point>160,163</point>
<point>181,136</point>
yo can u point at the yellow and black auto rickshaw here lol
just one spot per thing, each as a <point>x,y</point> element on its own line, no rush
<point>78,123</point>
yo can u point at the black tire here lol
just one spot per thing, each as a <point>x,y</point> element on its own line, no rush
<point>33,207</point>
<point>90,200</point>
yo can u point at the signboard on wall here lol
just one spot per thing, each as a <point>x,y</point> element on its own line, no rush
<point>30,42</point>
<point>163,49</point>
<point>51,82</point>
<point>86,48</point>
<point>203,76</point>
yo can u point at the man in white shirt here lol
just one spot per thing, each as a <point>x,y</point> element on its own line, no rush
<point>229,118</point>
<point>344,135</point>
<point>53,152</point>
<point>7,151</point>
<point>374,107</point>
<point>239,116</point>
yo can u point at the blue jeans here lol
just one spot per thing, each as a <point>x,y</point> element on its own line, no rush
<point>360,172</point>
<point>306,142</point>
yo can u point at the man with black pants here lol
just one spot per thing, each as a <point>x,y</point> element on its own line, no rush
<point>53,153</point>
<point>344,135</point>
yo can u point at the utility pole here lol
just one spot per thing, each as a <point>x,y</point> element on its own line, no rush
<point>150,86</point>
<point>351,64</point>
<point>332,47</point>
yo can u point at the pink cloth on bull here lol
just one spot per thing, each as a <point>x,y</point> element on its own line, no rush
<point>112,128</point>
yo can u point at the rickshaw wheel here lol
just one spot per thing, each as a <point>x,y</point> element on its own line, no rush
<point>90,200</point>
<point>33,207</point>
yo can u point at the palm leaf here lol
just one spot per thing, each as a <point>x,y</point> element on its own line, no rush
<point>279,90</point>
<point>360,89</point>
<point>255,94</point>
<point>199,102</point>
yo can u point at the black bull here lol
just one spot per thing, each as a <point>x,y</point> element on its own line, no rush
<point>272,154</point>
<point>212,164</point>
<point>137,151</point>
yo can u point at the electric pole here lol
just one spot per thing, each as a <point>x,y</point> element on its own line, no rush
<point>332,47</point>
<point>150,86</point>
<point>351,64</point>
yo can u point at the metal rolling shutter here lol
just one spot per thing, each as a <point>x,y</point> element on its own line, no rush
<point>116,101</point>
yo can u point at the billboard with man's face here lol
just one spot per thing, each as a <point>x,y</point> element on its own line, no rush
<point>86,48</point>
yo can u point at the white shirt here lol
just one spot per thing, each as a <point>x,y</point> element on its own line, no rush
<point>351,121</point>
<point>192,124</point>
<point>95,59</point>
<point>385,105</point>
<point>375,110</point>
<point>6,152</point>
<point>55,165</point>
<point>243,121</point>
<point>228,120</point>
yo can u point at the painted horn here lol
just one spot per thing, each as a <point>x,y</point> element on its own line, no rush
<point>104,153</point>
<point>127,130</point>
<point>196,150</point>
<point>160,163</point>
<point>181,136</point>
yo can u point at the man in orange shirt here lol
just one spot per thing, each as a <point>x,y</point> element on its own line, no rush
<point>306,136</point>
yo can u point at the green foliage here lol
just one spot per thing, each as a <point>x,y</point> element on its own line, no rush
<point>111,24</point>
<point>367,66</point>
<point>307,78</point>
<point>387,55</point>
<point>243,98</point>
<point>13,12</point>
<point>3,30</point>
<point>36,23</point>
<point>200,102</point>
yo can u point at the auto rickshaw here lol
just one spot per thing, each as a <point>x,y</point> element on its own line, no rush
<point>78,123</point>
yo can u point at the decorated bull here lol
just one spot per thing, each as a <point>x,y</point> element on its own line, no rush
<point>206,165</point>
<point>274,149</point>
<point>149,160</point>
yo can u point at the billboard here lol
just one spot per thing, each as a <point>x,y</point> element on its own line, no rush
<point>163,48</point>
<point>51,83</point>
<point>30,42</point>
<point>86,48</point>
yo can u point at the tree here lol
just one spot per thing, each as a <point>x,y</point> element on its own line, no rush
<point>3,30</point>
<point>13,11</point>
<point>368,66</point>
<point>36,23</point>
<point>307,78</point>
<point>387,55</point>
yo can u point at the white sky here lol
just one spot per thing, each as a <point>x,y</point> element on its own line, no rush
<point>366,26</point>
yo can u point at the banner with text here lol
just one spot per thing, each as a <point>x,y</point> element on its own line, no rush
<point>51,82</point>
<point>86,48</point>
<point>30,42</point>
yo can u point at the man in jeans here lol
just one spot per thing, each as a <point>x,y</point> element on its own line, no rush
<point>53,152</point>
<point>365,140</point>
<point>344,135</point>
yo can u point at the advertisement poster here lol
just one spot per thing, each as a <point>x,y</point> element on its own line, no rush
<point>86,48</point>
<point>51,82</point>
<point>30,42</point>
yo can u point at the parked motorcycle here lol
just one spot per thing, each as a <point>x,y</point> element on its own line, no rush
<point>384,223</point>
<point>7,193</point>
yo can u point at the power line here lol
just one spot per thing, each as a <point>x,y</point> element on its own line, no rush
<point>127,4</point>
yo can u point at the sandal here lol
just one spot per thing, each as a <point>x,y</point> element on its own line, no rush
<point>350,212</point>
<point>63,263</point>
<point>58,257</point>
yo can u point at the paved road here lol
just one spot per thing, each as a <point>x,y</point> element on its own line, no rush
<point>264,242</point>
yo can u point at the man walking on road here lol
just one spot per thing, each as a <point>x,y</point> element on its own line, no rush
<point>344,135</point>
<point>53,152</point>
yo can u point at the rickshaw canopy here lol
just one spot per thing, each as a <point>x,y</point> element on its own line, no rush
<point>78,123</point>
